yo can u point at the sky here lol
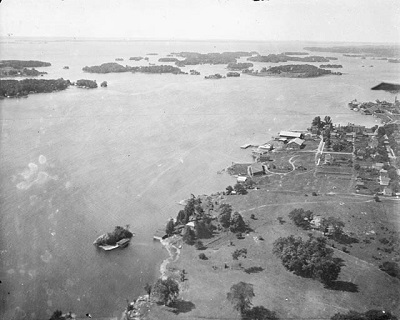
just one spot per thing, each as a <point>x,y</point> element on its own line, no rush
<point>302,20</point>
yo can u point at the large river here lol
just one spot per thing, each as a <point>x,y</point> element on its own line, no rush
<point>78,162</point>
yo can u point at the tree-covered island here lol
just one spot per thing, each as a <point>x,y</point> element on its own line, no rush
<point>239,66</point>
<point>293,71</point>
<point>194,58</point>
<point>112,67</point>
<point>276,58</point>
<point>15,88</point>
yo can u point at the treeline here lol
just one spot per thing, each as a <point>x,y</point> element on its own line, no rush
<point>25,72</point>
<point>19,64</point>
<point>15,88</point>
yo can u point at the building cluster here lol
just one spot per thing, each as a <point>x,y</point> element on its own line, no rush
<point>384,110</point>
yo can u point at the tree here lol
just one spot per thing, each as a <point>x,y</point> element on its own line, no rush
<point>328,121</point>
<point>301,218</point>
<point>181,217</point>
<point>229,190</point>
<point>188,235</point>
<point>202,229</point>
<point>310,259</point>
<point>57,315</point>
<point>240,295</point>
<point>199,244</point>
<point>224,216</point>
<point>237,223</point>
<point>165,291</point>
<point>147,288</point>
<point>170,228</point>
<point>239,188</point>
<point>259,313</point>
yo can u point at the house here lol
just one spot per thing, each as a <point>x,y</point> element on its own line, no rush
<point>295,143</point>
<point>241,179</point>
<point>377,166</point>
<point>383,173</point>
<point>328,159</point>
<point>384,181</point>
<point>315,223</point>
<point>255,169</point>
<point>387,192</point>
<point>291,135</point>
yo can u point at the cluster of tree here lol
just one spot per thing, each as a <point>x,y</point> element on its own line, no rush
<point>111,238</point>
<point>239,253</point>
<point>165,291</point>
<point>299,70</point>
<point>301,218</point>
<point>239,188</point>
<point>194,58</point>
<point>240,296</point>
<point>214,76</point>
<point>193,211</point>
<point>239,66</point>
<point>58,315</point>
<point>20,64</point>
<point>234,222</point>
<point>168,60</point>
<point>13,88</point>
<point>103,84</point>
<point>84,83</point>
<point>20,72</point>
<point>317,122</point>
<point>334,66</point>
<point>310,259</point>
<point>276,58</point>
<point>368,315</point>
<point>391,268</point>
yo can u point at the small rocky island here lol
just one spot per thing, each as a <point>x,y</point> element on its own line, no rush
<point>15,88</point>
<point>119,238</point>
<point>136,58</point>
<point>293,71</point>
<point>233,74</point>
<point>19,68</point>
<point>168,59</point>
<point>112,67</point>
<point>214,76</point>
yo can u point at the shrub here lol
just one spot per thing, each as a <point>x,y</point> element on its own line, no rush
<point>391,268</point>
<point>202,256</point>
<point>239,253</point>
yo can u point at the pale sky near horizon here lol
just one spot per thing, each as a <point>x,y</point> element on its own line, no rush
<point>314,20</point>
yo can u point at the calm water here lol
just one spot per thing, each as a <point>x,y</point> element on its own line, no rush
<point>76,163</point>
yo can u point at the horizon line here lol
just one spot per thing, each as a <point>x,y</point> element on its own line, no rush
<point>84,38</point>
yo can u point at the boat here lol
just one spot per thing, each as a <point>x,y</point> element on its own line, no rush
<point>120,244</point>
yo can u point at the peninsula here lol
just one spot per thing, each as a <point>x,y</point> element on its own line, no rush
<point>305,216</point>
<point>362,50</point>
<point>19,68</point>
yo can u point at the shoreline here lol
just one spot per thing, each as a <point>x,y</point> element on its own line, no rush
<point>173,246</point>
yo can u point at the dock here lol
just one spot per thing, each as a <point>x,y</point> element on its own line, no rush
<point>160,235</point>
<point>245,146</point>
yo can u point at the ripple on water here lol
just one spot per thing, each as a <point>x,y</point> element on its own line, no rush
<point>42,159</point>
<point>46,257</point>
